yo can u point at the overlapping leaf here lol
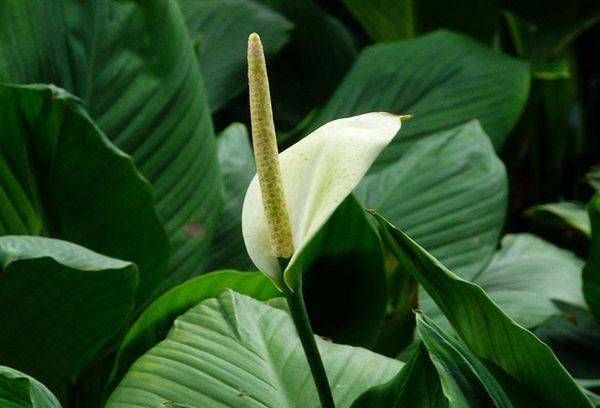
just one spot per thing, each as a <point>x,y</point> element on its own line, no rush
<point>486,330</point>
<point>235,351</point>
<point>18,390</point>
<point>59,304</point>
<point>60,177</point>
<point>443,78</point>
<point>591,272</point>
<point>133,65</point>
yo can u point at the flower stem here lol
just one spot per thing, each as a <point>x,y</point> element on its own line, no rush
<point>295,302</point>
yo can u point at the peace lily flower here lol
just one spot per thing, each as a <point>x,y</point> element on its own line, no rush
<point>297,191</point>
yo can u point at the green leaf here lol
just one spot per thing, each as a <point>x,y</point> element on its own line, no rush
<point>154,323</point>
<point>526,278</point>
<point>487,331</point>
<point>318,173</point>
<point>443,78</point>
<point>235,351</point>
<point>574,215</point>
<point>384,20</point>
<point>133,65</point>
<point>449,191</point>
<point>305,73</point>
<point>591,271</point>
<point>416,385</point>
<point>237,166</point>
<point>18,390</point>
<point>59,305</point>
<point>60,177</point>
<point>344,278</point>
<point>221,28</point>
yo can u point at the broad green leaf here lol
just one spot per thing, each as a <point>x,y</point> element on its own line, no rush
<point>318,173</point>
<point>571,214</point>
<point>60,177</point>
<point>221,28</point>
<point>18,390</point>
<point>591,271</point>
<point>444,79</point>
<point>59,305</point>
<point>237,166</point>
<point>305,73</point>
<point>488,332</point>
<point>154,323</point>
<point>133,65</point>
<point>526,278</point>
<point>449,191</point>
<point>234,351</point>
<point>416,385</point>
<point>593,177</point>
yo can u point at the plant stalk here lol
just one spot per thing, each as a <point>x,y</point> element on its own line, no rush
<point>295,302</point>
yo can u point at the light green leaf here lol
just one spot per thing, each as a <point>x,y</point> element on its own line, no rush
<point>591,271</point>
<point>221,28</point>
<point>525,278</point>
<point>133,65</point>
<point>18,390</point>
<point>450,192</point>
<point>60,177</point>
<point>235,351</point>
<point>318,173</point>
<point>567,213</point>
<point>154,323</point>
<point>59,304</point>
<point>444,79</point>
<point>488,332</point>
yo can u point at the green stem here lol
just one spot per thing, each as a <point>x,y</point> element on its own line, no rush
<point>295,302</point>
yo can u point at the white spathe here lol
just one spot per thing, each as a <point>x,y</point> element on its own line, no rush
<point>318,173</point>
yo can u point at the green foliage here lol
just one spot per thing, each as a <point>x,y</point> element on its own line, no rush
<point>125,163</point>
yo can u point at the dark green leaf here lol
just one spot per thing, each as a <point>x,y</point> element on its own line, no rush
<point>591,271</point>
<point>443,78</point>
<point>59,304</point>
<point>572,214</point>
<point>133,65</point>
<point>486,330</point>
<point>60,177</point>
<point>385,20</point>
<point>221,28</point>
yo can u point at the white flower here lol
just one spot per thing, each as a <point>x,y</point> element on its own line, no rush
<point>318,173</point>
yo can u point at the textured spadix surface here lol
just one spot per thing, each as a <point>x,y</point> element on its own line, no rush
<point>318,172</point>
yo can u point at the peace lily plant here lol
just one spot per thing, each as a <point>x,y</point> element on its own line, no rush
<point>294,193</point>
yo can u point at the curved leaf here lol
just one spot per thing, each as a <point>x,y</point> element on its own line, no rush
<point>571,214</point>
<point>235,351</point>
<point>154,323</point>
<point>59,304</point>
<point>444,79</point>
<point>450,192</point>
<point>484,328</point>
<point>18,390</point>
<point>318,173</point>
<point>526,278</point>
<point>61,177</point>
<point>133,65</point>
